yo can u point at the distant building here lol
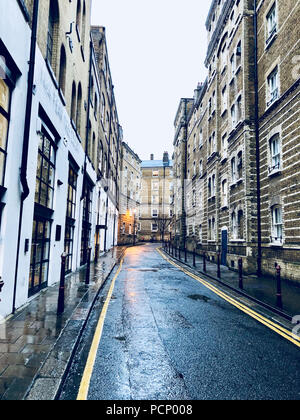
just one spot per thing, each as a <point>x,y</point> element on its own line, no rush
<point>236,146</point>
<point>129,225</point>
<point>156,211</point>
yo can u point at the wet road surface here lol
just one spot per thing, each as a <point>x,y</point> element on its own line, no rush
<point>167,337</point>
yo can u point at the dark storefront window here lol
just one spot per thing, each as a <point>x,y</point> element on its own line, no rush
<point>39,255</point>
<point>5,94</point>
<point>42,221</point>
<point>70,218</point>
<point>86,222</point>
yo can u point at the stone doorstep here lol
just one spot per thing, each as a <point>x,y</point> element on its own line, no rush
<point>47,381</point>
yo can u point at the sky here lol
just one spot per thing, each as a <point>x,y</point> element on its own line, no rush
<point>156,52</point>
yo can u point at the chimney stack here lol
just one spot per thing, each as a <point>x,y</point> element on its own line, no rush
<point>166,160</point>
<point>151,157</point>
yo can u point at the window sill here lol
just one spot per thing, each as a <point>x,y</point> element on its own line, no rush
<point>275,173</point>
<point>270,41</point>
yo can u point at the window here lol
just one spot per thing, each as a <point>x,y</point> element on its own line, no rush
<point>275,152</point>
<point>45,173</point>
<point>62,69</point>
<point>233,170</point>
<point>155,186</point>
<point>52,33</point>
<point>73,103</point>
<point>234,226</point>
<point>40,252</point>
<point>86,221</point>
<point>233,116</point>
<point>273,87</point>
<point>224,197</point>
<point>154,227</point>
<point>271,24</point>
<point>70,217</point>
<point>224,145</point>
<point>154,213</point>
<point>79,108</point>
<point>155,174</point>
<point>5,95</point>
<point>200,234</point>
<point>240,165</point>
<point>277,225</point>
<point>201,168</point>
<point>224,99</point>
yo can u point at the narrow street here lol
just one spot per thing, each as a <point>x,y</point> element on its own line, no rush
<point>168,337</point>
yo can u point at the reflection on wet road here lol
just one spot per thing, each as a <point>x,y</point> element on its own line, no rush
<point>167,337</point>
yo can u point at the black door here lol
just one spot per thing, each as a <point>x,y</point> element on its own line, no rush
<point>40,250</point>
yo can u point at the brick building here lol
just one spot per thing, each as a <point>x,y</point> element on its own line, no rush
<point>241,140</point>
<point>129,225</point>
<point>156,210</point>
<point>59,124</point>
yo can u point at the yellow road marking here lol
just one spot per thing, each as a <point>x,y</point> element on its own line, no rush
<point>88,371</point>
<point>288,335</point>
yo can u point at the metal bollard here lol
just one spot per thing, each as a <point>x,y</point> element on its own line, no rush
<point>61,294</point>
<point>279,290</point>
<point>219,266</point>
<point>88,267</point>
<point>204,262</point>
<point>185,255</point>
<point>241,282</point>
<point>96,253</point>
<point>179,250</point>
<point>194,258</point>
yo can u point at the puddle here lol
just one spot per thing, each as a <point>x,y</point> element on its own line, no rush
<point>199,297</point>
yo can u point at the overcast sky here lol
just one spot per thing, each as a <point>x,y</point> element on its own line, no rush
<point>156,52</point>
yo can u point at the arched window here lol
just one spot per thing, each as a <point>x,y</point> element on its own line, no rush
<point>73,103</point>
<point>83,27</point>
<point>240,224</point>
<point>100,157</point>
<point>53,23</point>
<point>93,157</point>
<point>62,69</point>
<point>78,16</point>
<point>79,108</point>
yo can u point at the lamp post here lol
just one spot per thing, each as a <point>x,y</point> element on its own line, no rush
<point>134,227</point>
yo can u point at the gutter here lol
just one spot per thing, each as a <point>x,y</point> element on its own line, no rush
<point>27,126</point>
<point>259,232</point>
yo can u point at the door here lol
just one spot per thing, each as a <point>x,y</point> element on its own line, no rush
<point>40,250</point>
<point>224,247</point>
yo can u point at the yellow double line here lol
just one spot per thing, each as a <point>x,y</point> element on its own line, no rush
<point>89,367</point>
<point>288,335</point>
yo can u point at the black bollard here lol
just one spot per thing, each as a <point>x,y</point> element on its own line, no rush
<point>88,267</point>
<point>179,250</point>
<point>185,255</point>
<point>241,281</point>
<point>279,290</point>
<point>219,265</point>
<point>204,262</point>
<point>194,257</point>
<point>61,294</point>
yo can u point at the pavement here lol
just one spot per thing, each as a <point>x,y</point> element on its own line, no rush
<point>36,344</point>
<point>167,337</point>
<point>262,288</point>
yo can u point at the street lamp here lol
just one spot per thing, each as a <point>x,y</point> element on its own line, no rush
<point>134,227</point>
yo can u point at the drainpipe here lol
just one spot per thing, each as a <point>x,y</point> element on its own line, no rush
<point>27,125</point>
<point>259,233</point>
<point>185,178</point>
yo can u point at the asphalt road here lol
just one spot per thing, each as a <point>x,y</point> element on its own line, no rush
<point>167,337</point>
